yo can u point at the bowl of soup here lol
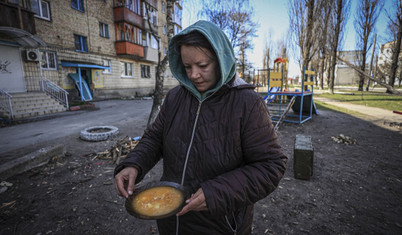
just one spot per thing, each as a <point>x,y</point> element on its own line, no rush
<point>156,200</point>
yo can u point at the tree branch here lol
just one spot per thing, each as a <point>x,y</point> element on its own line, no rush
<point>390,88</point>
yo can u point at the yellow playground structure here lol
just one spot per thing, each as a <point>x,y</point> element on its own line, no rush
<point>280,98</point>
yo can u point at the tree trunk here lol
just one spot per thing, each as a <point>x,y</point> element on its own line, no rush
<point>392,90</point>
<point>371,62</point>
<point>339,15</point>
<point>308,39</point>
<point>161,67</point>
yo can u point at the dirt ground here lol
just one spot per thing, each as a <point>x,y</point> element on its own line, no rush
<point>355,189</point>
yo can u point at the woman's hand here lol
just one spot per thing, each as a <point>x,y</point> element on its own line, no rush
<point>195,203</point>
<point>125,180</point>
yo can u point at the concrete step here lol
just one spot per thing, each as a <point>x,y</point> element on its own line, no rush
<point>29,100</point>
<point>39,108</point>
<point>28,94</point>
<point>35,113</point>
<point>33,104</point>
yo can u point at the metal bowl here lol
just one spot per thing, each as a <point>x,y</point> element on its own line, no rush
<point>151,187</point>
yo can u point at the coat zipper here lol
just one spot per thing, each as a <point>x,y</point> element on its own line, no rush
<point>191,143</point>
<point>234,230</point>
<point>187,155</point>
<point>189,148</point>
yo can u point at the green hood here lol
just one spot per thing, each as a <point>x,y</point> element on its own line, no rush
<point>223,50</point>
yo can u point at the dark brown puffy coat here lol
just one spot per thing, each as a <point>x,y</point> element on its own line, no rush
<point>233,154</point>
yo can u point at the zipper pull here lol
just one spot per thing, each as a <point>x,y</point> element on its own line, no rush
<point>199,108</point>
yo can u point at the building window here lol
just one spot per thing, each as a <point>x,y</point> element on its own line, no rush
<point>80,43</point>
<point>164,29</point>
<point>41,9</point>
<point>154,42</point>
<point>153,15</point>
<point>176,30</point>
<point>133,5</point>
<point>165,51</point>
<point>128,32</point>
<point>163,7</point>
<point>126,69</point>
<point>78,5</point>
<point>49,60</point>
<point>177,15</point>
<point>103,30</point>
<point>145,71</point>
<point>107,63</point>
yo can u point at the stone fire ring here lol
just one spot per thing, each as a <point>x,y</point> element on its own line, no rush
<point>98,133</point>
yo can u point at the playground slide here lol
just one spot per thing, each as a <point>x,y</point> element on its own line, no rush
<point>268,98</point>
<point>85,93</point>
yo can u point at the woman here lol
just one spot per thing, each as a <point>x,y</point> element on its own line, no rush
<point>215,136</point>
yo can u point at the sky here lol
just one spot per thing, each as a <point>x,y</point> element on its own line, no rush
<point>273,19</point>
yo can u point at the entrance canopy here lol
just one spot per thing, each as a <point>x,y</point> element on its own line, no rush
<point>79,65</point>
<point>81,84</point>
<point>22,37</point>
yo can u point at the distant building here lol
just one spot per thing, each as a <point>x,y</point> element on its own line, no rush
<point>385,54</point>
<point>385,61</point>
<point>107,44</point>
<point>344,75</point>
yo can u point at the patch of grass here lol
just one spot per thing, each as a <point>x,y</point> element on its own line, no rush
<point>371,99</point>
<point>326,106</point>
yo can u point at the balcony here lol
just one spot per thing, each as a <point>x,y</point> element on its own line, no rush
<point>122,13</point>
<point>154,27</point>
<point>11,15</point>
<point>153,3</point>
<point>128,48</point>
<point>151,54</point>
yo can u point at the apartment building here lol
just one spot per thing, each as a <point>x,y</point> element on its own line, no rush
<point>344,75</point>
<point>90,48</point>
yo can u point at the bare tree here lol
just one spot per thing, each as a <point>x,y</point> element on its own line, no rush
<point>234,17</point>
<point>341,10</point>
<point>323,39</point>
<point>365,19</point>
<point>304,16</point>
<point>267,52</point>
<point>244,44</point>
<point>397,23</point>
<point>371,61</point>
<point>379,81</point>
<point>162,62</point>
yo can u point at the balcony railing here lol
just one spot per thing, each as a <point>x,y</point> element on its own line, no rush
<point>13,15</point>
<point>122,13</point>
<point>129,48</point>
<point>153,3</point>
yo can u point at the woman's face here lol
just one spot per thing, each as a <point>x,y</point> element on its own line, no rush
<point>200,67</point>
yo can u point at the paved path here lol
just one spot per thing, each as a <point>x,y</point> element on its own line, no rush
<point>375,113</point>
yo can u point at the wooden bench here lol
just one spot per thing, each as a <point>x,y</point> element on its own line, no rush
<point>303,157</point>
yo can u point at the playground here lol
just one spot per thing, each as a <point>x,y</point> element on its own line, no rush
<point>355,188</point>
<point>285,104</point>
